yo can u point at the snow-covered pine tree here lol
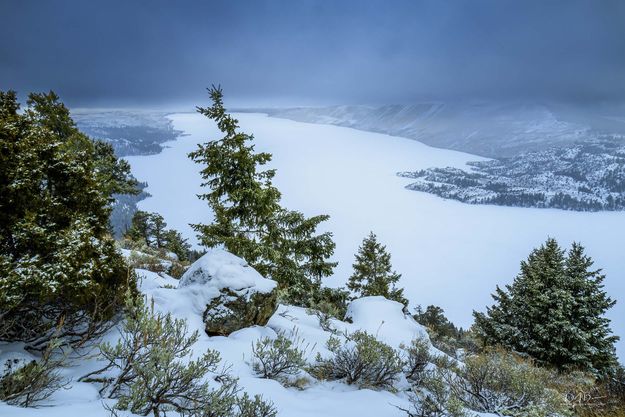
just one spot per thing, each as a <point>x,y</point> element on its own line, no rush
<point>248,218</point>
<point>302,257</point>
<point>554,312</point>
<point>58,264</point>
<point>595,342</point>
<point>373,272</point>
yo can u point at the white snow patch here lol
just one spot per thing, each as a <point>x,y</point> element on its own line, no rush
<point>221,269</point>
<point>149,280</point>
<point>375,315</point>
<point>385,320</point>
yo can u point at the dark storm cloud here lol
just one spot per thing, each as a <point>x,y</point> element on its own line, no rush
<point>134,52</point>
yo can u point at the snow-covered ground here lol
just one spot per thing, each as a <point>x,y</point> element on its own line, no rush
<point>376,315</point>
<point>450,254</point>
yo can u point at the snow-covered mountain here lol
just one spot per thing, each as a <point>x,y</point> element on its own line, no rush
<point>486,128</point>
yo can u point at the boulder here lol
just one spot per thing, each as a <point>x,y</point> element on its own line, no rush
<point>241,297</point>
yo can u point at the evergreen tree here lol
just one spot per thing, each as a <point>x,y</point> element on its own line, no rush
<point>590,303</point>
<point>553,311</point>
<point>176,244</point>
<point>302,259</point>
<point>242,197</point>
<point>150,229</point>
<point>58,263</point>
<point>373,274</point>
<point>434,318</point>
<point>140,228</point>
<point>248,218</point>
<point>158,230</point>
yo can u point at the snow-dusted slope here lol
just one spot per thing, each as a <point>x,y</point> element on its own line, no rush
<point>131,132</point>
<point>450,254</point>
<point>331,399</point>
<point>484,128</point>
<point>583,177</point>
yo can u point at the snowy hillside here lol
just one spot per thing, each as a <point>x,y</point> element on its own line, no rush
<point>544,153</point>
<point>131,132</point>
<point>450,254</point>
<point>375,315</point>
<point>487,129</point>
<point>584,177</point>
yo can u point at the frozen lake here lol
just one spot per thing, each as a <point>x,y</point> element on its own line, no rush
<point>449,254</point>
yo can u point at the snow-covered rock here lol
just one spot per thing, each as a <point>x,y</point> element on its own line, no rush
<point>221,269</point>
<point>385,319</point>
<point>241,296</point>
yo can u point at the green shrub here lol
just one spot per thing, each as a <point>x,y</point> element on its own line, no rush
<point>147,371</point>
<point>495,382</point>
<point>323,302</point>
<point>363,361</point>
<point>432,398</point>
<point>417,358</point>
<point>277,358</point>
<point>153,259</point>
<point>596,398</point>
<point>324,318</point>
<point>328,303</point>
<point>149,230</point>
<point>177,269</point>
<point>331,302</point>
<point>444,335</point>
<point>28,384</point>
<point>58,262</point>
<point>254,407</point>
<point>150,262</point>
<point>503,383</point>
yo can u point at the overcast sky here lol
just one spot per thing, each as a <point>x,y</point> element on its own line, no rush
<point>125,53</point>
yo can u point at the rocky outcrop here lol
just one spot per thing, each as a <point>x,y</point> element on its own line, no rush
<point>242,297</point>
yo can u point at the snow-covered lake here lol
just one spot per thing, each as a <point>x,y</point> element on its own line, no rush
<point>449,254</point>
